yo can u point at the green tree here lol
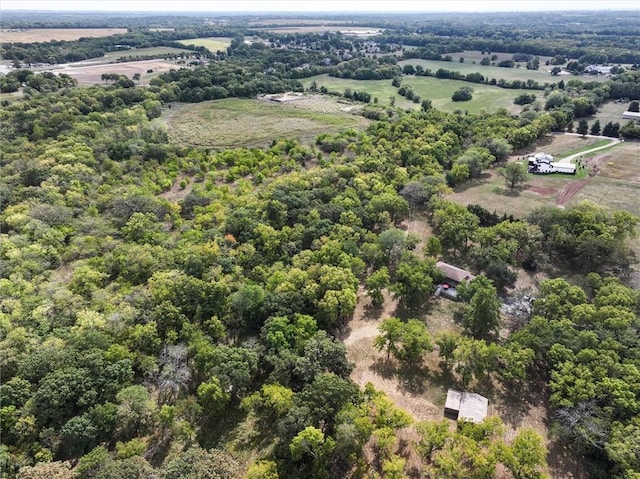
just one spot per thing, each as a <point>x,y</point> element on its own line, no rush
<point>454,224</point>
<point>196,463</point>
<point>391,330</point>
<point>482,315</point>
<point>312,445</point>
<point>447,344</point>
<point>375,283</point>
<point>595,128</point>
<point>414,284</point>
<point>213,398</point>
<point>263,470</point>
<point>462,94</point>
<point>416,341</point>
<point>583,127</point>
<point>406,341</point>
<point>514,173</point>
<point>526,456</point>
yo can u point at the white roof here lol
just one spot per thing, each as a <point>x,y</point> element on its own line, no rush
<point>473,407</point>
<point>470,406</point>
<point>454,398</point>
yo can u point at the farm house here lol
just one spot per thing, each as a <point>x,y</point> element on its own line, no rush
<point>453,276</point>
<point>464,406</point>
<point>542,163</point>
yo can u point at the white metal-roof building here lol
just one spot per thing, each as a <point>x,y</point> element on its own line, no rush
<point>464,406</point>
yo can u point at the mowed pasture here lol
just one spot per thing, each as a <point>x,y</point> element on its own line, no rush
<point>213,44</point>
<point>609,111</point>
<point>439,91</point>
<point>234,123</point>
<point>541,76</point>
<point>617,184</point>
<point>48,34</point>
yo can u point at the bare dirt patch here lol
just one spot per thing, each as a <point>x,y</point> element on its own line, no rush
<point>48,34</point>
<point>569,191</point>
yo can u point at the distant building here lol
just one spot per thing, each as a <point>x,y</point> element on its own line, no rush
<point>599,69</point>
<point>631,115</point>
<point>464,406</point>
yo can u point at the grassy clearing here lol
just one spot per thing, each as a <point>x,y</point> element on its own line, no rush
<point>475,55</point>
<point>609,111</point>
<point>48,34</point>
<point>622,163</point>
<point>596,144</point>
<point>617,186</point>
<point>613,193</point>
<point>141,52</point>
<point>439,91</point>
<point>492,193</point>
<point>541,76</point>
<point>90,73</point>
<point>232,122</point>
<point>213,44</point>
<point>558,144</point>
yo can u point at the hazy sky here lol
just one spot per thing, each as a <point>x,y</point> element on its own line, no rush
<point>319,5</point>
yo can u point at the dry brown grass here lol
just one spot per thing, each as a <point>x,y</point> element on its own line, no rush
<point>92,74</point>
<point>234,122</point>
<point>48,34</point>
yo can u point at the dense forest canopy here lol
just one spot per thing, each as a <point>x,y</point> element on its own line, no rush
<point>138,327</point>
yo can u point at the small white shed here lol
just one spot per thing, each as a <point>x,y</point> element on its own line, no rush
<point>465,406</point>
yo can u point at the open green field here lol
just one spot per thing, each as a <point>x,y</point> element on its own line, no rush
<point>213,44</point>
<point>233,122</point>
<point>477,56</point>
<point>488,71</point>
<point>439,91</point>
<point>541,76</point>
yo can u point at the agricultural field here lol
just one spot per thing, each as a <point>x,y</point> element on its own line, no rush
<point>48,34</point>
<point>213,44</point>
<point>89,72</point>
<point>438,90</point>
<point>232,122</point>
